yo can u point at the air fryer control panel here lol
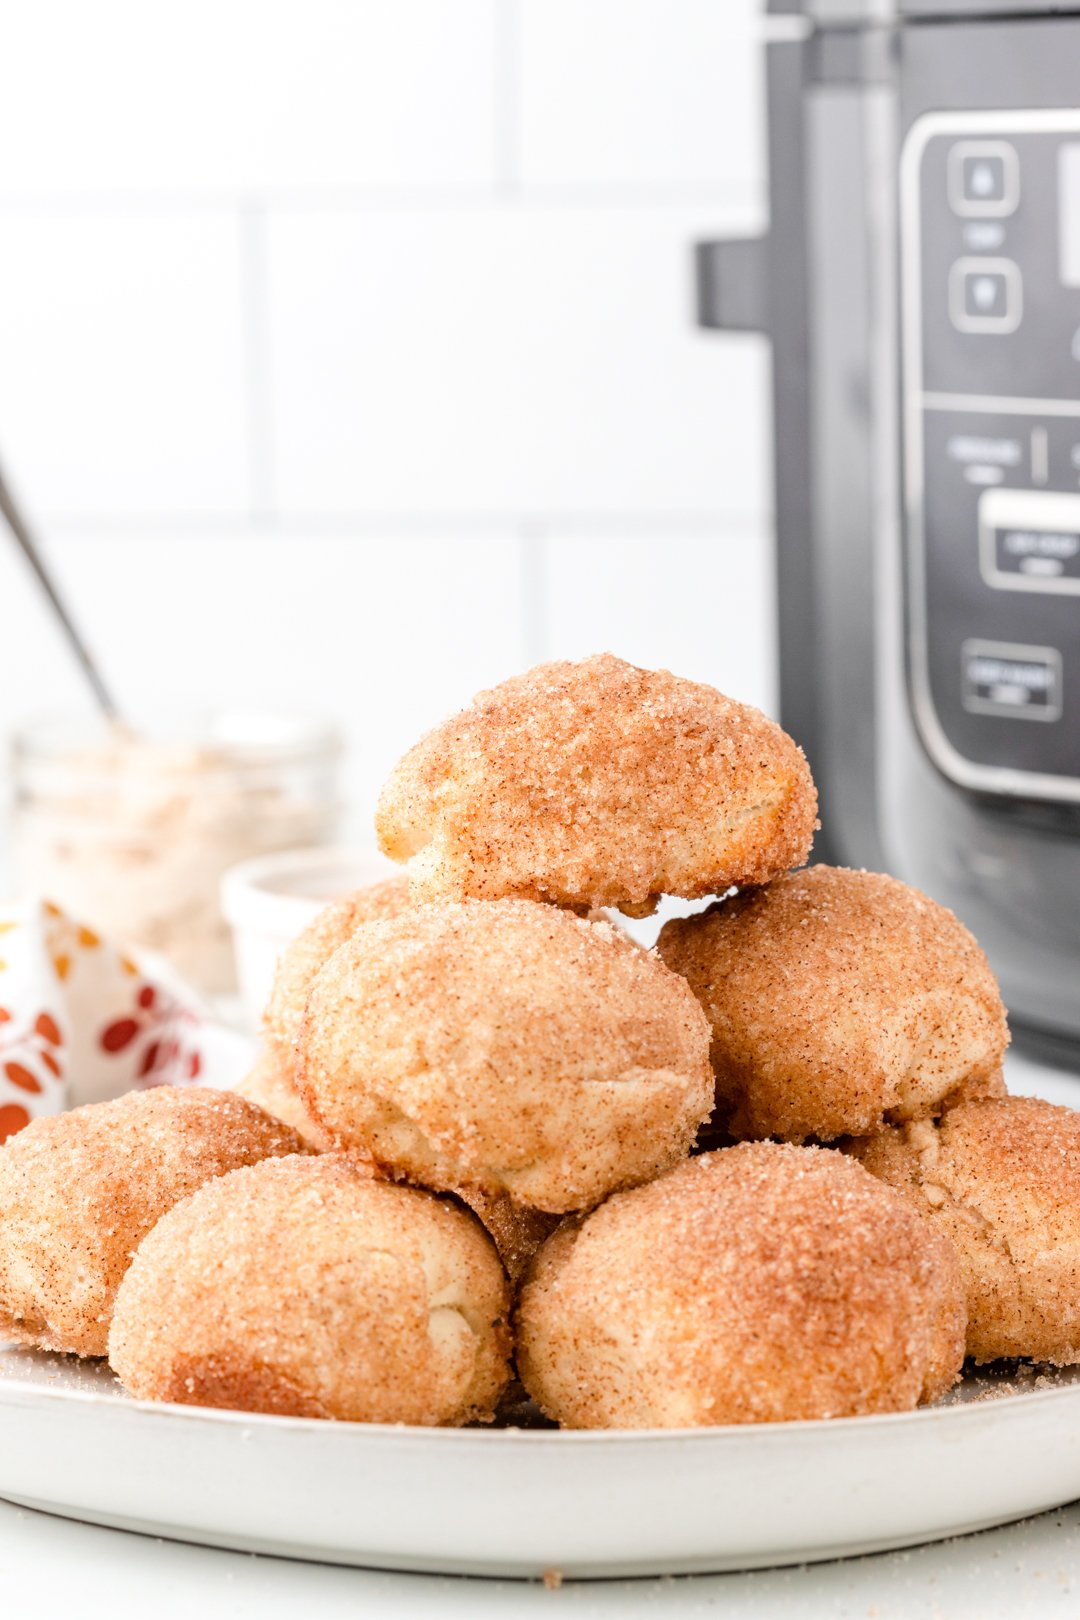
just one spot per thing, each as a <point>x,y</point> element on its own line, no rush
<point>990,251</point>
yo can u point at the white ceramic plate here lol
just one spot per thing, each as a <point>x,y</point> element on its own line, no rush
<point>521,1501</point>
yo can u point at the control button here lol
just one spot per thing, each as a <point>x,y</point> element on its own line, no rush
<point>1010,681</point>
<point>984,178</point>
<point>985,295</point>
<point>1029,540</point>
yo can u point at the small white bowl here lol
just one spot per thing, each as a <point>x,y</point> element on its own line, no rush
<point>268,901</point>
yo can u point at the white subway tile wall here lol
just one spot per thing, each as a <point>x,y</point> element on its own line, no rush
<point>246,95</point>
<point>347,356</point>
<point>667,606</point>
<point>383,636</point>
<point>639,94</point>
<point>122,365</point>
<point>507,361</point>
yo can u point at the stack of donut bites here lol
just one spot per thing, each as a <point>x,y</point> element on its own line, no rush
<point>765,1171</point>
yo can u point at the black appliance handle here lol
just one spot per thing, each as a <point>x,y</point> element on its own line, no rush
<point>733,284</point>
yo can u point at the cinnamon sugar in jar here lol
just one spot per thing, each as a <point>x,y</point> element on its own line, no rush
<point>131,830</point>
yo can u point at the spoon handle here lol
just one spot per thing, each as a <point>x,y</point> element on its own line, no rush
<point>15,523</point>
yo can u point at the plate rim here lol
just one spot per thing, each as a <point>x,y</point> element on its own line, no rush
<point>20,1390</point>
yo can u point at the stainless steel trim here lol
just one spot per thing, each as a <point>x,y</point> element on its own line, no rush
<point>964,772</point>
<point>881,132</point>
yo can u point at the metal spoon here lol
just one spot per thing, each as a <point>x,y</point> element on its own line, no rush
<point>15,523</point>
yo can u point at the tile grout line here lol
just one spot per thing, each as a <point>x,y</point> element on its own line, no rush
<point>394,196</point>
<point>359,525</point>
<point>258,378</point>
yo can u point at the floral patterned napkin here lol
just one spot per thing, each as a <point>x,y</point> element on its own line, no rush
<point>82,1020</point>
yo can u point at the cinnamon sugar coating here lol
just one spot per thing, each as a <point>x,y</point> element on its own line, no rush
<point>760,1283</point>
<point>1002,1180</point>
<point>598,784</point>
<point>315,945</point>
<point>307,1288</point>
<point>517,1231</point>
<point>272,1082</point>
<point>271,1085</point>
<point>839,1001</point>
<point>508,1047</point>
<point>79,1192</point>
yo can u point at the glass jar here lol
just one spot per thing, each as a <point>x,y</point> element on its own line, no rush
<point>130,829</point>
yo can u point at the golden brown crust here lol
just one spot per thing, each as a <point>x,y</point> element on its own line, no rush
<point>1001,1178</point>
<point>838,1001</point>
<point>761,1283</point>
<point>315,945</point>
<point>598,784</point>
<point>508,1047</point>
<point>271,1085</point>
<point>309,1288</point>
<point>79,1192</point>
<point>516,1231</point>
<point>232,1380</point>
<point>977,1088</point>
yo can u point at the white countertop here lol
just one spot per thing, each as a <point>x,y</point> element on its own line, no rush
<point>51,1566</point>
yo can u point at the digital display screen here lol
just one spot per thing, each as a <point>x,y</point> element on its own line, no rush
<point>1069,212</point>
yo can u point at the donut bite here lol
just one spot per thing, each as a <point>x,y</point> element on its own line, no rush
<point>312,949</point>
<point>758,1284</point>
<point>517,1232</point>
<point>509,1048</point>
<point>839,1001</point>
<point>1001,1179</point>
<point>79,1192</point>
<point>307,1288</point>
<point>271,1082</point>
<point>598,784</point>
